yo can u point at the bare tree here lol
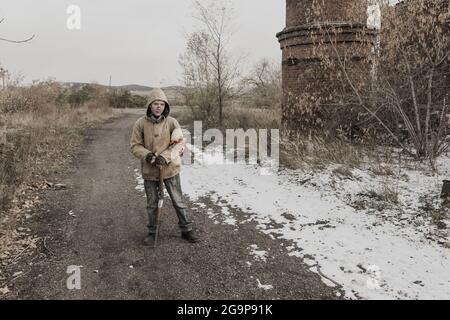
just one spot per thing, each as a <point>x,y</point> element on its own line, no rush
<point>15,41</point>
<point>198,76</point>
<point>408,97</point>
<point>3,72</point>
<point>264,81</point>
<point>208,65</point>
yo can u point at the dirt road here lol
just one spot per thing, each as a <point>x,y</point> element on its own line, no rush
<point>99,221</point>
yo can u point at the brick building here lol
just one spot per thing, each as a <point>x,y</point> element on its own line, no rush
<point>313,37</point>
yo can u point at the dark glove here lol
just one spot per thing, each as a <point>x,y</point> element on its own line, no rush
<point>150,158</point>
<point>160,161</point>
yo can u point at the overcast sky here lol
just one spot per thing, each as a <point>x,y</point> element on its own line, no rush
<point>135,41</point>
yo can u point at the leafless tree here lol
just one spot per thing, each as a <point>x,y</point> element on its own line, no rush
<point>406,100</point>
<point>264,81</point>
<point>209,68</point>
<point>413,81</point>
<point>15,41</point>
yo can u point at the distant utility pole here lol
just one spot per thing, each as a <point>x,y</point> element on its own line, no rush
<point>3,74</point>
<point>110,78</point>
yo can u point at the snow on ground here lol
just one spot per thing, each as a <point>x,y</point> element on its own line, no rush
<point>258,254</point>
<point>140,185</point>
<point>264,286</point>
<point>338,224</point>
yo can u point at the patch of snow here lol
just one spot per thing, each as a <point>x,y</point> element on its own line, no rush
<point>309,262</point>
<point>315,212</point>
<point>264,286</point>
<point>373,254</point>
<point>258,254</point>
<point>328,282</point>
<point>140,181</point>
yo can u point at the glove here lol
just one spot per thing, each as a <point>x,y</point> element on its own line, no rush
<point>160,161</point>
<point>150,158</point>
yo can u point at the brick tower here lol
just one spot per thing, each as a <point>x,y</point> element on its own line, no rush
<point>318,31</point>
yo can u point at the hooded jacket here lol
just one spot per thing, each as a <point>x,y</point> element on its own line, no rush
<point>163,137</point>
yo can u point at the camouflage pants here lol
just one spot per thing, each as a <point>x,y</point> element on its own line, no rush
<point>173,187</point>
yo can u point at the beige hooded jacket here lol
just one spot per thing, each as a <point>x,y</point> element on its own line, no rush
<point>163,138</point>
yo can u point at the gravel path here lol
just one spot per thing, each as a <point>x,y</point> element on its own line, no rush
<point>99,221</point>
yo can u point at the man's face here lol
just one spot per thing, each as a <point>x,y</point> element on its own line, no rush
<point>157,107</point>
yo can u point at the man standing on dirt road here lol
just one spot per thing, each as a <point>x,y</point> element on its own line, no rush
<point>157,140</point>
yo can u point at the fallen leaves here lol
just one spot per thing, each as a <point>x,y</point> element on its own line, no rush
<point>4,290</point>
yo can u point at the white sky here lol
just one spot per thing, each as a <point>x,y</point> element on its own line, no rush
<point>135,41</point>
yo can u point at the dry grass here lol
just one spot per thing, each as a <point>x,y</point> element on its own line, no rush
<point>380,169</point>
<point>32,145</point>
<point>314,153</point>
<point>436,210</point>
<point>298,151</point>
<point>238,116</point>
<point>390,193</point>
<point>234,117</point>
<point>384,197</point>
<point>32,138</point>
<point>343,171</point>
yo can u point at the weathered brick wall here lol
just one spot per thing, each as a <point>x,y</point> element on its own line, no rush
<point>308,88</point>
<point>300,12</point>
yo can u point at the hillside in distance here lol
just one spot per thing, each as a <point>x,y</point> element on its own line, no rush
<point>173,93</point>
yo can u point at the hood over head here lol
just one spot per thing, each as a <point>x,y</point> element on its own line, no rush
<point>157,94</point>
